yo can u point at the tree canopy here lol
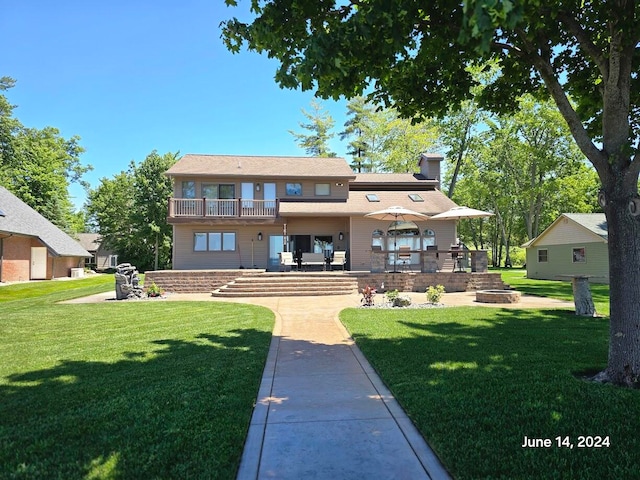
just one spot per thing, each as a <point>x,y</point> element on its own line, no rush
<point>130,212</point>
<point>38,165</point>
<point>414,55</point>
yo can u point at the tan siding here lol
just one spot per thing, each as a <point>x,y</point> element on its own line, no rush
<point>362,228</point>
<point>317,226</point>
<point>308,187</point>
<point>566,232</point>
<point>560,262</point>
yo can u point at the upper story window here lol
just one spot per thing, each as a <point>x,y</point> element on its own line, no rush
<point>222,191</point>
<point>323,189</point>
<point>294,189</point>
<point>189,189</point>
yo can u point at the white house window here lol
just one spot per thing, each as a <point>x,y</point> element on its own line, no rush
<point>113,261</point>
<point>579,255</point>
<point>214,241</point>
<point>294,189</point>
<point>543,255</point>
<point>323,189</point>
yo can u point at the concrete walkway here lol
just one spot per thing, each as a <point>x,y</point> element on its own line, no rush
<point>322,412</point>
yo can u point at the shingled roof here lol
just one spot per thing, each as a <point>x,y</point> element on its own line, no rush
<point>261,166</point>
<point>433,202</point>
<point>20,219</point>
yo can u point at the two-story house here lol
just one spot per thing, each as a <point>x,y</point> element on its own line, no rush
<point>232,212</point>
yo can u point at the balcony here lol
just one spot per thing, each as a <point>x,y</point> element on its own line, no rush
<point>235,208</point>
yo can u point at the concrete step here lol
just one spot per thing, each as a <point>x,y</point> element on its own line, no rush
<point>288,284</point>
<point>221,293</point>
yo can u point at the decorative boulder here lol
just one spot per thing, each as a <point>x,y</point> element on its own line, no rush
<point>127,282</point>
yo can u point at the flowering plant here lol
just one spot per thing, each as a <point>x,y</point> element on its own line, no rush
<point>368,294</point>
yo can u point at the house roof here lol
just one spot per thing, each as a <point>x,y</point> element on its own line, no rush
<point>389,178</point>
<point>262,166</point>
<point>595,223</point>
<point>365,181</point>
<point>20,219</point>
<point>89,241</point>
<point>358,204</point>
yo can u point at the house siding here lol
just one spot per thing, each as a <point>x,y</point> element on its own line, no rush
<point>560,261</point>
<point>566,232</point>
<point>250,252</point>
<point>308,187</point>
<point>362,229</point>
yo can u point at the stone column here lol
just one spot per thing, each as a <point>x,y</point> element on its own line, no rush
<point>428,262</point>
<point>479,261</point>
<point>582,297</point>
<point>378,261</point>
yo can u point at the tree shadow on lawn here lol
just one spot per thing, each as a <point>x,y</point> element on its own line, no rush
<point>179,409</point>
<point>477,386</point>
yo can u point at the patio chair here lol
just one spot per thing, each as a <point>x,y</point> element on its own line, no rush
<point>404,257</point>
<point>339,259</point>
<point>286,260</point>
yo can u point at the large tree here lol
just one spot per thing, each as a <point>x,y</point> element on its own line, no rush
<point>316,142</point>
<point>582,54</point>
<point>382,141</point>
<point>38,165</point>
<point>130,212</point>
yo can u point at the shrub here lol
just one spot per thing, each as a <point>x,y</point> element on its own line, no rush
<point>392,295</point>
<point>434,294</point>
<point>394,298</point>
<point>154,290</point>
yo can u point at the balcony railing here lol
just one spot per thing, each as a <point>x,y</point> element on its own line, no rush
<point>210,208</point>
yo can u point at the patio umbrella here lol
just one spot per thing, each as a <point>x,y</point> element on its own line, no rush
<point>456,213</point>
<point>397,214</point>
<point>461,212</point>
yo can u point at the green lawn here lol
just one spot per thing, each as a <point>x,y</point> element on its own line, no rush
<point>477,380</point>
<point>516,277</point>
<point>125,390</point>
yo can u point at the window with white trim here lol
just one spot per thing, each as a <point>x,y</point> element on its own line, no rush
<point>214,241</point>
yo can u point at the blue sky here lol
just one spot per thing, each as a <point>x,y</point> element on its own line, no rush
<point>132,76</point>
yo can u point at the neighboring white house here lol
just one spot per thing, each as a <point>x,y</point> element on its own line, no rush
<point>574,244</point>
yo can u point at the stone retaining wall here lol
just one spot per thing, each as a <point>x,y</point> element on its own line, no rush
<point>193,281</point>
<point>205,281</point>
<point>419,282</point>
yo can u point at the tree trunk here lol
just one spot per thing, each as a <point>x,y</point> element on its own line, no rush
<point>624,264</point>
<point>156,253</point>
